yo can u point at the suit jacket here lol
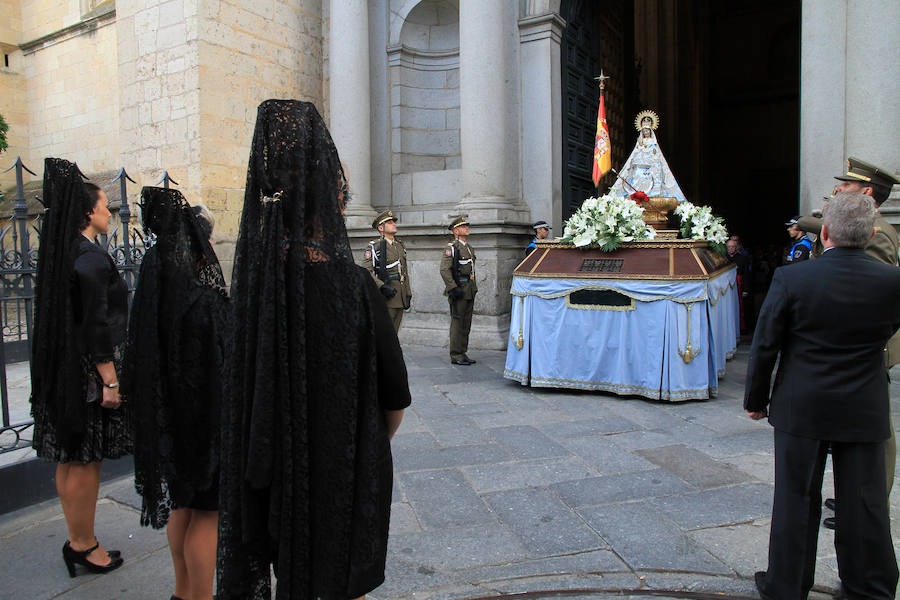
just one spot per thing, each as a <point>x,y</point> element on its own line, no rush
<point>883,247</point>
<point>99,301</point>
<point>829,319</point>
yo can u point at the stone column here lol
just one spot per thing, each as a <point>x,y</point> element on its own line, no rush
<point>488,143</point>
<point>542,112</point>
<point>849,90</point>
<point>873,81</point>
<point>350,102</point>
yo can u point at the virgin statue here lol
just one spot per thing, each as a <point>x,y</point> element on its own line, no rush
<point>646,169</point>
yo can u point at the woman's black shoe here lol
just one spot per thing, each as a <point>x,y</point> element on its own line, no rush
<point>74,557</point>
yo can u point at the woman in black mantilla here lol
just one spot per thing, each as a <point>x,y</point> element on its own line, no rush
<point>316,381</point>
<point>173,370</point>
<point>81,310</point>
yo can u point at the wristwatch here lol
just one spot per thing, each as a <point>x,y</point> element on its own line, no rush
<point>111,386</point>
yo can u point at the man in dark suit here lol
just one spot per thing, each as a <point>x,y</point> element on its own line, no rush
<point>829,319</point>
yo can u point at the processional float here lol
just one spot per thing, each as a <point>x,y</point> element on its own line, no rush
<point>629,301</point>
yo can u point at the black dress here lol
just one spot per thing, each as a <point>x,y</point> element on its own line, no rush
<point>99,311</point>
<point>314,360</point>
<point>173,371</point>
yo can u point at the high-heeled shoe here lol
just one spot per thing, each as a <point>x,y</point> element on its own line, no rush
<point>112,553</point>
<point>74,557</point>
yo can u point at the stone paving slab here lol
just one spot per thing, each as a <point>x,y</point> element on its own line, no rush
<point>525,442</point>
<point>501,488</point>
<point>620,488</point>
<point>760,440</point>
<point>544,525</point>
<point>597,561</point>
<point>457,431</point>
<point>590,427</point>
<point>693,466</point>
<point>519,474</point>
<point>147,577</point>
<point>460,548</point>
<point>722,506</point>
<point>607,458</point>
<point>444,498</point>
<point>37,550</point>
<point>450,457</point>
<point>646,539</point>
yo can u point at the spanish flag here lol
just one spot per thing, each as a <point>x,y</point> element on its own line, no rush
<point>602,149</point>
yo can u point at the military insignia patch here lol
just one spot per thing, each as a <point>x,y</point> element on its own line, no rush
<point>448,252</point>
<point>368,254</point>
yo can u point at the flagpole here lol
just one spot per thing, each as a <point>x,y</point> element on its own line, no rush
<point>601,141</point>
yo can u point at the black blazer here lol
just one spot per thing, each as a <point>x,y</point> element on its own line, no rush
<point>830,319</point>
<point>99,301</point>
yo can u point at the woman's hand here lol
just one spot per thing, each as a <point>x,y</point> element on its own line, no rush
<point>107,371</point>
<point>111,398</point>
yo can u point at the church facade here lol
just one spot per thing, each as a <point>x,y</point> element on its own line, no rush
<point>438,107</point>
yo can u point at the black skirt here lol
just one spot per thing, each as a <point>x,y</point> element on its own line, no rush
<point>108,432</point>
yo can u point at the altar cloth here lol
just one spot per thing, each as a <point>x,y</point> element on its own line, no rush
<point>671,343</point>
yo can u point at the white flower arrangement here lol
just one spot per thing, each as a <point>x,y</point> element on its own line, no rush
<point>606,222</point>
<point>698,223</point>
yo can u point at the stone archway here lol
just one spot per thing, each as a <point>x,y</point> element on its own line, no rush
<point>423,60</point>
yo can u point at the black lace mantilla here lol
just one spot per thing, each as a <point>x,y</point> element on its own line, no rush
<point>174,359</point>
<point>306,466</point>
<point>69,423</point>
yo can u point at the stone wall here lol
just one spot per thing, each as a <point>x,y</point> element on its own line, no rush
<point>44,17</point>
<point>13,103</point>
<point>423,59</point>
<point>72,97</point>
<point>58,94</point>
<point>191,77</point>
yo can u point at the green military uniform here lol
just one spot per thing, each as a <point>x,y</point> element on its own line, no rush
<point>394,274</point>
<point>462,303</point>
<point>883,247</point>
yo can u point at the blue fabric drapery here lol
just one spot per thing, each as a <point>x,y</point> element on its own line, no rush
<point>670,343</point>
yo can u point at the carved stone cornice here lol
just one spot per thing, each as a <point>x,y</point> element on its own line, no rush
<point>92,21</point>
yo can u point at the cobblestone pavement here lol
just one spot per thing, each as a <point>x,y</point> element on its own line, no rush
<point>504,490</point>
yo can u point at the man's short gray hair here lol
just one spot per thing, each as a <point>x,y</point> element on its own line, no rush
<point>850,218</point>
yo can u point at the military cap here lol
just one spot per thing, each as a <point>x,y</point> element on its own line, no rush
<point>860,170</point>
<point>383,218</point>
<point>541,224</point>
<point>460,220</point>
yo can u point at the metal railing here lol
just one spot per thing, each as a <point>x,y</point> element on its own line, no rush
<point>19,243</point>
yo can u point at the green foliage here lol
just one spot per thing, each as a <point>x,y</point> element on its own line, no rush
<point>719,247</point>
<point>3,129</point>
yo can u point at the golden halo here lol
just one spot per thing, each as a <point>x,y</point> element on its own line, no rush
<point>654,119</point>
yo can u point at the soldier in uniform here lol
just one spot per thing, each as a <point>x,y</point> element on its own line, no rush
<point>800,246</point>
<point>458,273</point>
<point>876,182</point>
<point>541,232</point>
<point>385,258</point>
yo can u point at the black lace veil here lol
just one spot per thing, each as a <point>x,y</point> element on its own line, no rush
<point>173,359</point>
<point>56,388</point>
<point>302,434</point>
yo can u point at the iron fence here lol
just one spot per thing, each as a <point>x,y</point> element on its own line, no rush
<point>19,243</point>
